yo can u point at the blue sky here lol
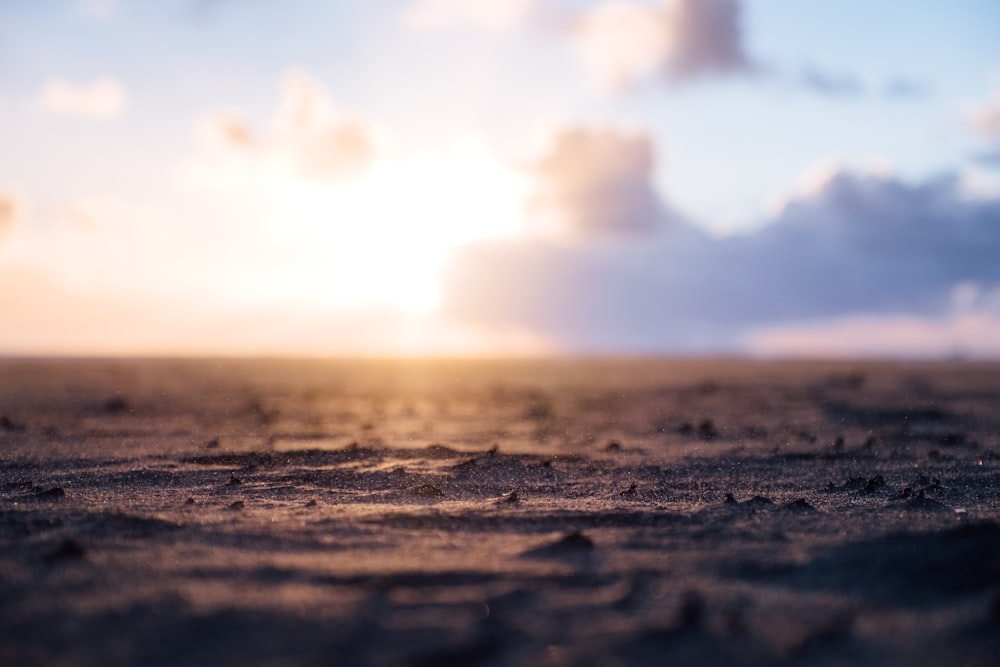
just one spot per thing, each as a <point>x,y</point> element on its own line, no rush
<point>127,186</point>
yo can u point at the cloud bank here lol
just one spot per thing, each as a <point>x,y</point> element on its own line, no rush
<point>624,43</point>
<point>854,243</point>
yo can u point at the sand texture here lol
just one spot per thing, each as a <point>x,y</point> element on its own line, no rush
<point>499,513</point>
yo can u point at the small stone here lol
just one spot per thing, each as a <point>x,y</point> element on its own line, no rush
<point>707,430</point>
<point>691,614</point>
<point>426,491</point>
<point>575,540</point>
<point>115,405</point>
<point>800,505</point>
<point>874,484</point>
<point>70,549</point>
<point>7,424</point>
<point>509,498</point>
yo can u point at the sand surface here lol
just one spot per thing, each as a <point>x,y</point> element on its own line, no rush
<point>500,513</point>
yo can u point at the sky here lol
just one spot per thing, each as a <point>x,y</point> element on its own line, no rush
<point>500,177</point>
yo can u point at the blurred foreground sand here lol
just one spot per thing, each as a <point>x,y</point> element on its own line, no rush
<point>499,513</point>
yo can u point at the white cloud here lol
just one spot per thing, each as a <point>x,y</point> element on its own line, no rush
<point>834,84</point>
<point>450,14</point>
<point>622,43</point>
<point>99,214</point>
<point>625,42</point>
<point>985,120</point>
<point>10,212</point>
<point>326,143</point>
<point>103,99</point>
<point>596,182</point>
<point>225,132</point>
<point>981,183</point>
<point>309,138</point>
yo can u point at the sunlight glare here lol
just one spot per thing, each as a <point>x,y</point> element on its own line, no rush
<point>382,240</point>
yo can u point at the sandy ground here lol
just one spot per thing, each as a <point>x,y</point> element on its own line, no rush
<point>499,513</point>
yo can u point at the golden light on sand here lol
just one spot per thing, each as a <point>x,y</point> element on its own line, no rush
<point>382,239</point>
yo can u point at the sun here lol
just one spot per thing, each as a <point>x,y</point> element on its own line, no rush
<point>382,241</point>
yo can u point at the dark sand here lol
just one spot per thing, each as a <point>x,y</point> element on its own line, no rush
<point>452,513</point>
